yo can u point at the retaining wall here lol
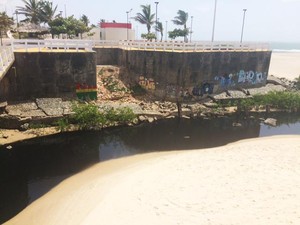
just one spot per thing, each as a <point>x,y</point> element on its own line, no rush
<point>191,75</point>
<point>48,74</point>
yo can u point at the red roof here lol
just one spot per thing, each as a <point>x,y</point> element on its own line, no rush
<point>116,25</point>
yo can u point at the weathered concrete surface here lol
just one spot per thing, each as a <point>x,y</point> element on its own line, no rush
<point>42,110</point>
<point>47,74</point>
<point>191,75</point>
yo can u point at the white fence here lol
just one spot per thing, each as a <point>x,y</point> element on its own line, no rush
<point>51,45</point>
<point>184,47</point>
<point>6,59</point>
<point>88,45</point>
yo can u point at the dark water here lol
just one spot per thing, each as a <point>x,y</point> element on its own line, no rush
<point>31,168</point>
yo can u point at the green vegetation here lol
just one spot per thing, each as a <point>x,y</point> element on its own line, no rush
<point>181,20</point>
<point>284,100</point>
<point>36,11</point>
<point>297,82</point>
<point>6,23</point>
<point>44,12</point>
<point>159,28</point>
<point>89,116</point>
<point>145,18</point>
<point>70,26</point>
<point>112,84</point>
<point>149,36</point>
<point>62,124</point>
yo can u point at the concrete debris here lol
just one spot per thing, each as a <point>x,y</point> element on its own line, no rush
<point>271,121</point>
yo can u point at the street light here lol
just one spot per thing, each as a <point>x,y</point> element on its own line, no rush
<point>214,22</point>
<point>243,25</point>
<point>17,18</point>
<point>191,28</point>
<point>156,21</point>
<point>127,21</point>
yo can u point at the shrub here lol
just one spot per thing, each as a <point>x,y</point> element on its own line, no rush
<point>62,124</point>
<point>88,116</point>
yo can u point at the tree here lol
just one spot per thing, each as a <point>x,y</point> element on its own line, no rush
<point>31,10</point>
<point>145,17</point>
<point>149,36</point>
<point>6,23</point>
<point>70,26</point>
<point>159,28</point>
<point>47,12</point>
<point>178,33</point>
<point>85,20</point>
<point>58,26</point>
<point>181,20</point>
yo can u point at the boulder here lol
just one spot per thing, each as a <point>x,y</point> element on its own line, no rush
<point>271,121</point>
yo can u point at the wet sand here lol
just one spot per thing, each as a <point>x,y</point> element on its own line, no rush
<point>285,64</point>
<point>256,181</point>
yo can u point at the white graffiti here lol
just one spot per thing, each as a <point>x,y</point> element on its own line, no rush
<point>251,77</point>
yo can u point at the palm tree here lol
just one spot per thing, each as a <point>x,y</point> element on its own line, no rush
<point>159,28</point>
<point>85,20</point>
<point>145,17</point>
<point>47,12</point>
<point>31,10</point>
<point>181,19</point>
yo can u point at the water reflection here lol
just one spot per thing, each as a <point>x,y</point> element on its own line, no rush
<point>33,167</point>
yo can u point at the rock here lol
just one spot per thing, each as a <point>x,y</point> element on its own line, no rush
<point>24,127</point>
<point>142,118</point>
<point>170,117</point>
<point>151,120</point>
<point>5,136</point>
<point>271,122</point>
<point>2,106</point>
<point>185,117</point>
<point>236,124</point>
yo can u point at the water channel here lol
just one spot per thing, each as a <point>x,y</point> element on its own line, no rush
<point>31,168</point>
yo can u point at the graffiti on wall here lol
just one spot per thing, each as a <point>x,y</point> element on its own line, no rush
<point>205,88</point>
<point>241,78</point>
<point>146,83</point>
<point>86,92</point>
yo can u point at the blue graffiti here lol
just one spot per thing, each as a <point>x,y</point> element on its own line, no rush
<point>206,88</point>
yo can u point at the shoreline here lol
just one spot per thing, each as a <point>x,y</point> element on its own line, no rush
<point>253,181</point>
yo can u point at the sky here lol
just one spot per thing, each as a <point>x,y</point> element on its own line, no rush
<point>265,20</point>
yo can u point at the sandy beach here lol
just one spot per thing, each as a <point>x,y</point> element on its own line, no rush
<point>285,64</point>
<point>255,181</point>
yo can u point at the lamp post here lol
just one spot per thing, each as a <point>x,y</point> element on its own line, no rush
<point>17,18</point>
<point>65,11</point>
<point>166,38</point>
<point>243,25</point>
<point>191,28</point>
<point>214,22</point>
<point>127,12</point>
<point>156,20</point>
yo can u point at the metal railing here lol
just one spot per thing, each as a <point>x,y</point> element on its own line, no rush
<point>6,59</point>
<point>88,45</point>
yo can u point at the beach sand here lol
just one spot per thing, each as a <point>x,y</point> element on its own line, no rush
<point>285,64</point>
<point>255,181</point>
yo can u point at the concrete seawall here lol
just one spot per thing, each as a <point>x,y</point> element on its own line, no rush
<point>190,75</point>
<point>48,74</point>
<point>186,76</point>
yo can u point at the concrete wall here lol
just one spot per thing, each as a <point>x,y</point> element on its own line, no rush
<point>172,75</point>
<point>45,74</point>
